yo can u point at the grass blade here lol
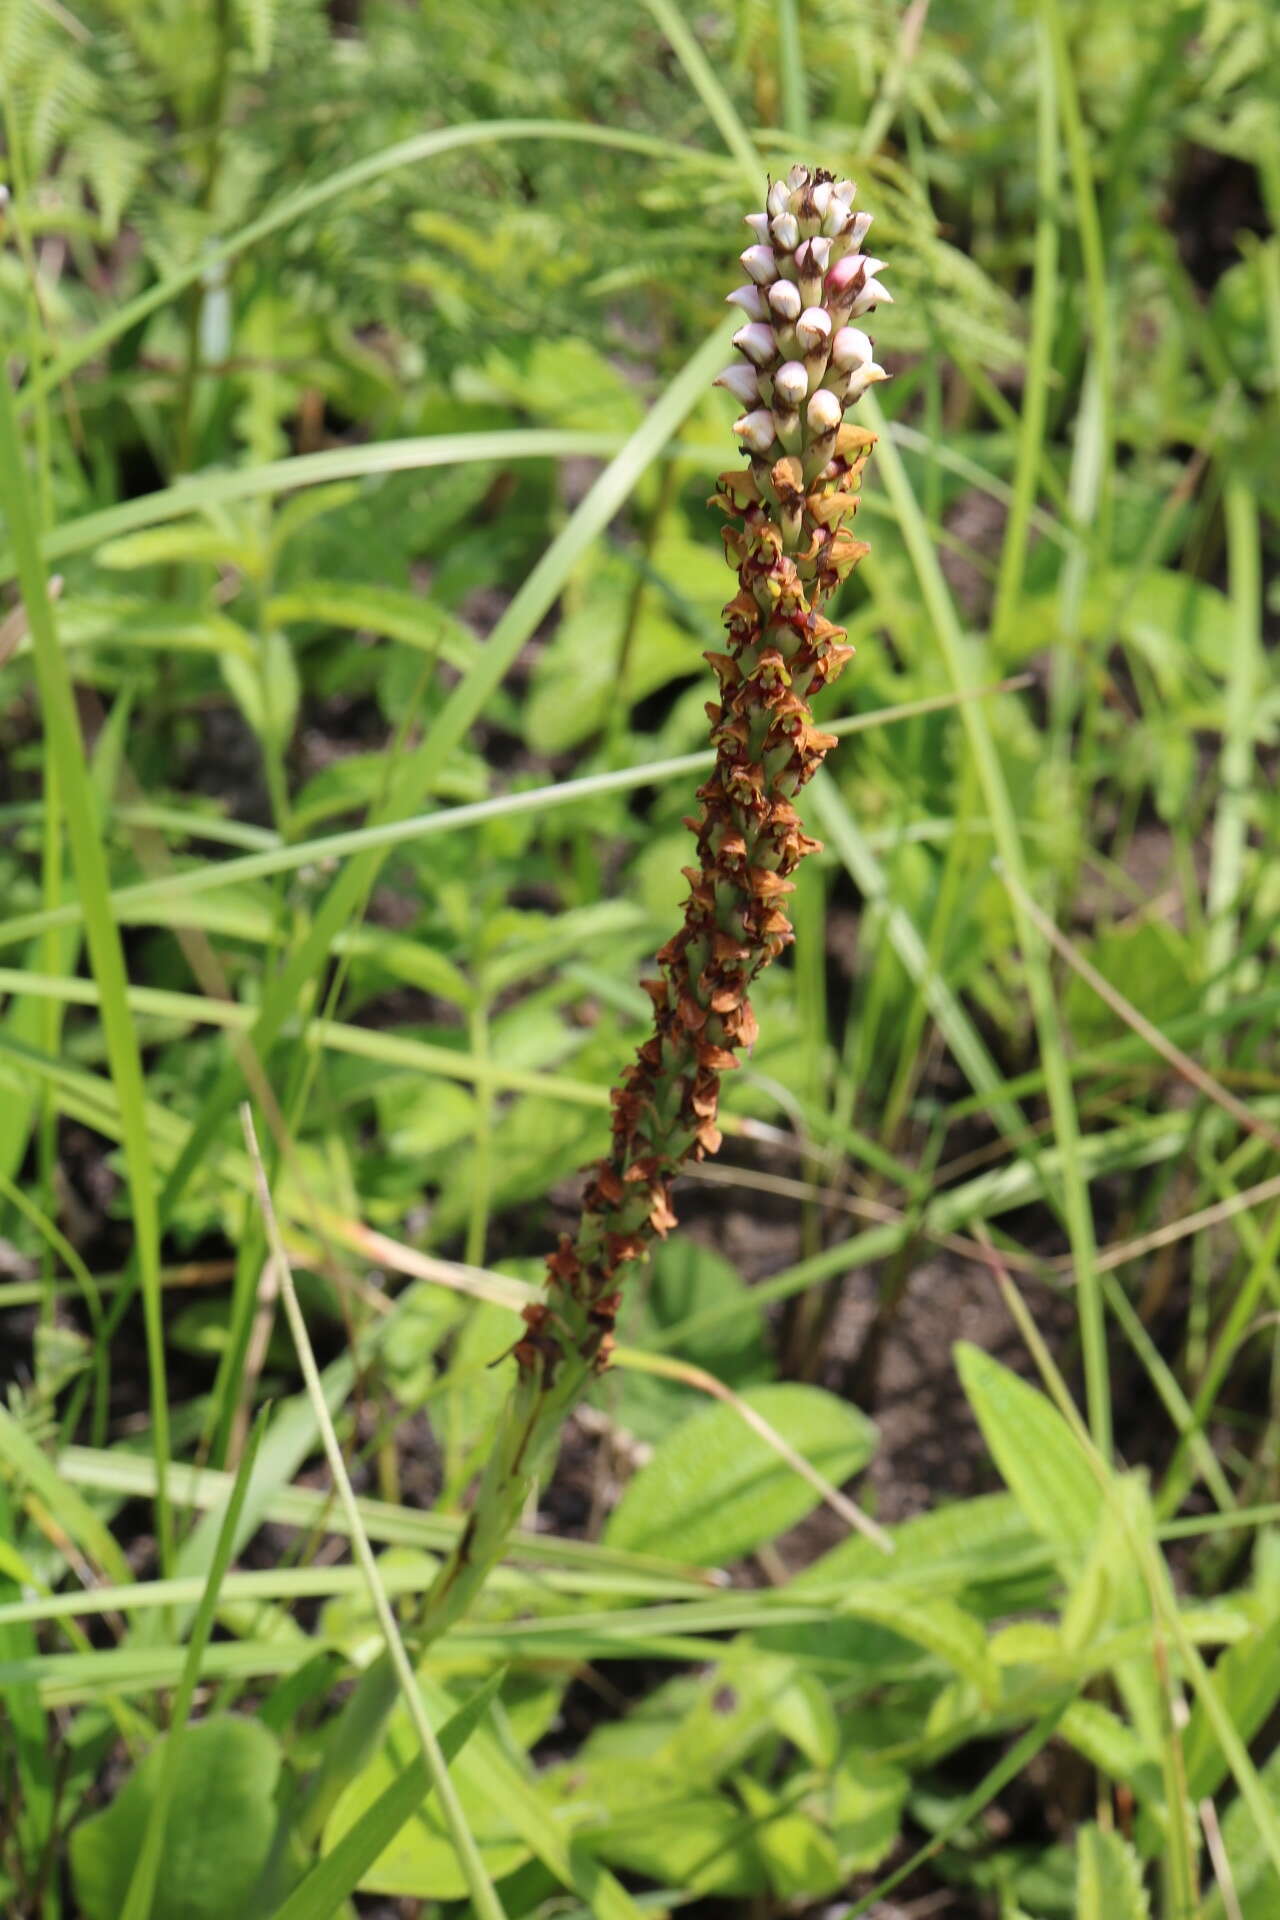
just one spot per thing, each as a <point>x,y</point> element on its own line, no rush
<point>338,1875</point>
<point>105,952</point>
<point>483,1897</point>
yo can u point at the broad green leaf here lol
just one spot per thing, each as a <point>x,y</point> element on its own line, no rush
<point>1108,1877</point>
<point>933,1622</point>
<point>715,1489</point>
<point>867,1799</point>
<point>799,1858</point>
<point>1039,1458</point>
<point>344,1866</point>
<point>685,1279</point>
<point>217,1837</point>
<point>418,1861</point>
<point>694,1840</point>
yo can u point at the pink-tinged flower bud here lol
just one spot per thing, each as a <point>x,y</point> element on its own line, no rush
<point>845,275</point>
<point>756,430</point>
<point>814,257</point>
<point>824,412</point>
<point>786,231</point>
<point>759,224</point>
<point>850,349</point>
<point>872,295</point>
<point>751,300</point>
<point>761,264</point>
<point>741,382</point>
<point>779,194</point>
<point>791,383</point>
<point>758,343</point>
<point>813,329</point>
<point>784,300</point>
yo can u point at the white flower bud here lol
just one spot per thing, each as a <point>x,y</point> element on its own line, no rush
<point>797,178</point>
<point>814,256</point>
<point>741,382</point>
<point>751,300</point>
<point>784,300</point>
<point>759,224</point>
<point>757,342</point>
<point>859,228</point>
<point>823,412</point>
<point>791,383</point>
<point>756,430</point>
<point>778,196</point>
<point>760,264</point>
<point>820,198</point>
<point>845,191</point>
<point>813,328</point>
<point>786,231</point>
<point>862,378</point>
<point>836,219</point>
<point>850,349</point>
<point>873,294</point>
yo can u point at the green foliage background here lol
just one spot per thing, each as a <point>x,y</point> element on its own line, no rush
<point>358,571</point>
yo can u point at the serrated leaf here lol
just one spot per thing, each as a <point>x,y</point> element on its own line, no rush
<point>1038,1456</point>
<point>715,1489</point>
<point>1108,1878</point>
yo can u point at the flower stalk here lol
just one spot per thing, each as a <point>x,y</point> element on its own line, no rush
<point>804,364</point>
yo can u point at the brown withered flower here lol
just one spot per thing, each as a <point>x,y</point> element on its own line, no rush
<point>804,364</point>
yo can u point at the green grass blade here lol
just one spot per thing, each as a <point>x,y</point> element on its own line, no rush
<point>1230,827</point>
<point>706,84</point>
<point>103,938</point>
<point>333,1879</point>
<point>1035,387</point>
<point>795,95</point>
<point>956,658</point>
<point>174,891</point>
<point>202,492</point>
<point>483,1898</point>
